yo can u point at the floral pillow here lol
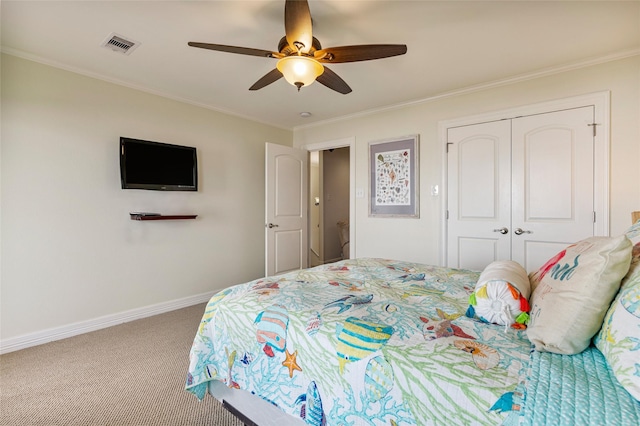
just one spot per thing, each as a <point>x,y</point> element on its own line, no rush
<point>572,292</point>
<point>619,338</point>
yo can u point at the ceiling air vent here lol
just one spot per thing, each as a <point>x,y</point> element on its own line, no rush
<point>118,43</point>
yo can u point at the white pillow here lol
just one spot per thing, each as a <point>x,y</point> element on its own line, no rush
<point>501,293</point>
<point>572,292</point>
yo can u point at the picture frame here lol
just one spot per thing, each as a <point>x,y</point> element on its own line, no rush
<point>394,177</point>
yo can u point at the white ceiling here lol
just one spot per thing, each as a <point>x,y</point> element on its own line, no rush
<point>452,45</point>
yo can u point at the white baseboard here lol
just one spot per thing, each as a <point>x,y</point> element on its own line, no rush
<point>58,333</point>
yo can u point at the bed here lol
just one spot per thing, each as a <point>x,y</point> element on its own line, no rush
<point>387,342</point>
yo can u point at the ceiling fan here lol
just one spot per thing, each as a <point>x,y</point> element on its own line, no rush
<point>301,57</point>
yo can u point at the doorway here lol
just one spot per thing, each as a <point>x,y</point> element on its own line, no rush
<point>349,183</point>
<point>329,194</point>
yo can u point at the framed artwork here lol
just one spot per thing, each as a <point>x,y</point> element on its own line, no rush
<point>394,178</point>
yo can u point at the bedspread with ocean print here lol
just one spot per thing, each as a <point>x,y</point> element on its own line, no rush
<point>362,342</point>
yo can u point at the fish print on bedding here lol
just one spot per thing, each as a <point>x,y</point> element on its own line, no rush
<point>362,342</point>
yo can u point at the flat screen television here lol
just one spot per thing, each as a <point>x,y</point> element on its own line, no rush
<point>157,166</point>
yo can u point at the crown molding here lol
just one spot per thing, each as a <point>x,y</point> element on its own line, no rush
<point>484,86</point>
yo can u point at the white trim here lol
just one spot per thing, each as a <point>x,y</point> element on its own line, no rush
<point>444,193</point>
<point>341,143</point>
<point>602,162</point>
<point>57,333</point>
<point>602,104</point>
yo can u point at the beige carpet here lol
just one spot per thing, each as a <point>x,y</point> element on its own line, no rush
<point>131,374</point>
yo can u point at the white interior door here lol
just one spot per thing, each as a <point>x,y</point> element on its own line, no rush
<point>479,203</point>
<point>520,189</point>
<point>286,209</point>
<point>553,183</point>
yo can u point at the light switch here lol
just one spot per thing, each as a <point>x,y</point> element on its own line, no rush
<point>359,193</point>
<point>434,190</point>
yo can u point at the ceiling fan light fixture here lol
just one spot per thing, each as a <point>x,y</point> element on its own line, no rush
<point>300,70</point>
<point>301,55</point>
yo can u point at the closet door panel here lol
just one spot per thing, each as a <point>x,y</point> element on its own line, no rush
<point>479,164</point>
<point>476,253</point>
<point>479,194</point>
<point>552,183</point>
<point>548,181</point>
<point>537,253</point>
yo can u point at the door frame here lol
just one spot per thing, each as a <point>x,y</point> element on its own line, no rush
<point>601,102</point>
<point>349,142</point>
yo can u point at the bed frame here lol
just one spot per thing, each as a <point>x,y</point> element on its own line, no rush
<point>250,409</point>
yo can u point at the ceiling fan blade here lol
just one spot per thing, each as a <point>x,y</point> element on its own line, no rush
<point>267,79</point>
<point>333,81</point>
<point>364,52</point>
<point>297,25</point>
<point>236,49</point>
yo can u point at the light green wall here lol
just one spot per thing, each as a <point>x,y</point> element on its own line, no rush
<point>420,239</point>
<point>70,253</point>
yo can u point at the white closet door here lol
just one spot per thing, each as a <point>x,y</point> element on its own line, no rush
<point>553,189</point>
<point>530,177</point>
<point>479,194</point>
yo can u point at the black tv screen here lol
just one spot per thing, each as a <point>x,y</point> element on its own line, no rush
<point>157,166</point>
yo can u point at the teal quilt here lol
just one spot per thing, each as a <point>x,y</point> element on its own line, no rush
<point>362,342</point>
<point>576,389</point>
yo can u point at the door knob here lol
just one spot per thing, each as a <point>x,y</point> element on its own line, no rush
<point>520,231</point>
<point>271,225</point>
<point>502,230</point>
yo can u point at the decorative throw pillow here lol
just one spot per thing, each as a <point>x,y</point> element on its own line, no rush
<point>572,292</point>
<point>500,295</point>
<point>619,338</point>
<point>633,233</point>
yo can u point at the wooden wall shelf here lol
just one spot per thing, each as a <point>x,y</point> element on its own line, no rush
<point>162,217</point>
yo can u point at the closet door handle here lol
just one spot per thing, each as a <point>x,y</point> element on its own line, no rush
<point>271,225</point>
<point>503,231</point>
<point>520,231</point>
